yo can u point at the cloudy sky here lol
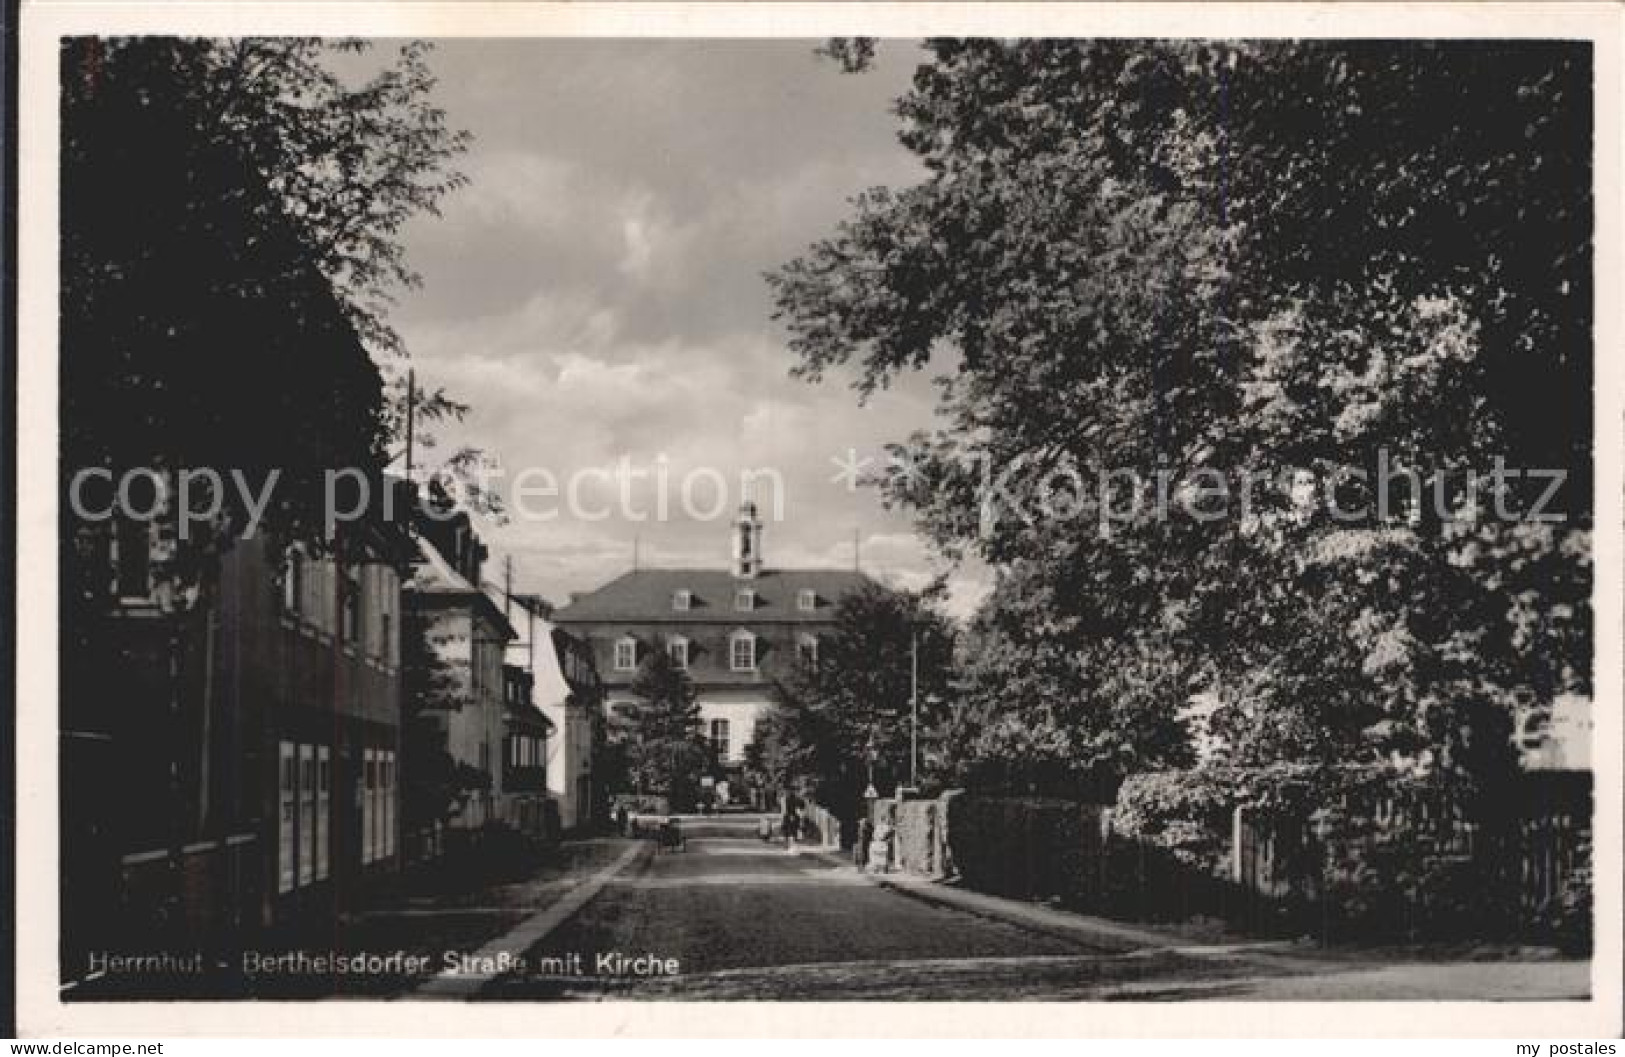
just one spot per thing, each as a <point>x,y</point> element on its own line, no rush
<point>596,295</point>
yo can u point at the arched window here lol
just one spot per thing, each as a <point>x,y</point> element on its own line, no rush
<point>742,651</point>
<point>626,654</point>
<point>807,649</point>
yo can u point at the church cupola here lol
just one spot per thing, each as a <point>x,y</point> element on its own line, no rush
<point>747,541</point>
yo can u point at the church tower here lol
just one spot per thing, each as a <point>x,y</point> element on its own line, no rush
<point>747,541</point>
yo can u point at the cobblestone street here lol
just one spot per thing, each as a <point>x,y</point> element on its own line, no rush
<point>739,919</point>
<point>730,917</point>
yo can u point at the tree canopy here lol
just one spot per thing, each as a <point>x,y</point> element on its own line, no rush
<point>846,712</point>
<point>236,317</point>
<point>660,730</point>
<point>1154,268</point>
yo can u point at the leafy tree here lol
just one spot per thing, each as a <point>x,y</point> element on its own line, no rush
<point>230,221</point>
<point>847,715</point>
<point>349,162</point>
<point>666,751</point>
<point>1135,263</point>
<point>435,785</point>
<point>226,323</point>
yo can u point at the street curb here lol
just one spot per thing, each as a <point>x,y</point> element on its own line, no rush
<point>1044,920</point>
<point>528,933</point>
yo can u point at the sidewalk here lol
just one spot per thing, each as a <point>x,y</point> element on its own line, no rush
<point>403,933</point>
<point>1110,936</point>
<point>1283,970</point>
<point>495,958</point>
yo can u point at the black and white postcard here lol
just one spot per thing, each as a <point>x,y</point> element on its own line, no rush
<point>604,509</point>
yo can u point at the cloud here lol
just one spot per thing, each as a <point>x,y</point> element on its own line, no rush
<point>596,294</point>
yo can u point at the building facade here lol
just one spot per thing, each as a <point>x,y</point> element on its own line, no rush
<point>468,636</point>
<point>739,632</point>
<point>524,754</point>
<point>566,691</point>
<point>578,718</point>
<point>254,748</point>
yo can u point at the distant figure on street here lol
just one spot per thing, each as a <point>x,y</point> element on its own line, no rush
<point>880,849</point>
<point>788,826</point>
<point>623,821</point>
<point>860,850</point>
<point>764,829</point>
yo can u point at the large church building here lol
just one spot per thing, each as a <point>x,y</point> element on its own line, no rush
<point>737,631</point>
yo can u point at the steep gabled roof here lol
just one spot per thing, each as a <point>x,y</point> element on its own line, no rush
<point>647,594</point>
<point>434,580</point>
<point>550,686</point>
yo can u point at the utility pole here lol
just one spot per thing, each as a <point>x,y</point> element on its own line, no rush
<point>914,706</point>
<point>507,586</point>
<point>411,402</point>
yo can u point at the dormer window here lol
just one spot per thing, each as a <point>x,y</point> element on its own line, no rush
<point>677,650</point>
<point>742,651</point>
<point>806,600</point>
<point>745,600</point>
<point>682,601</point>
<point>626,654</point>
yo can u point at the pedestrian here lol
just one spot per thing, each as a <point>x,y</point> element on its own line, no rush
<point>788,826</point>
<point>860,850</point>
<point>623,821</point>
<point>880,848</point>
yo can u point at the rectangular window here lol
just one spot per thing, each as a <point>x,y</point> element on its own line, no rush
<point>382,605</point>
<point>678,649</point>
<point>293,576</point>
<point>369,806</point>
<point>806,600</point>
<point>681,601</point>
<point>287,807</point>
<point>807,647</point>
<point>393,645</point>
<point>387,802</point>
<point>310,587</point>
<point>318,591</point>
<point>719,739</point>
<point>324,808</point>
<point>307,814</point>
<point>744,654</point>
<point>626,655</point>
<point>350,600</point>
<point>745,600</point>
